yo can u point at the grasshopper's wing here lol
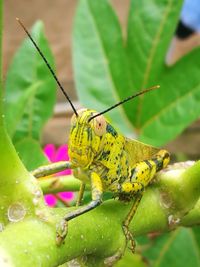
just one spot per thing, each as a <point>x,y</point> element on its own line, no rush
<point>138,151</point>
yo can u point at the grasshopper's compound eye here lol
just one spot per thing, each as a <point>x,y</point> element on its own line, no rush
<point>99,125</point>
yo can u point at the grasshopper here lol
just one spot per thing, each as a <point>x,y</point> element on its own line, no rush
<point>99,155</point>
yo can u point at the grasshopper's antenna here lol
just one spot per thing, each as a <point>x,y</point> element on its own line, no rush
<point>125,100</point>
<point>48,65</point>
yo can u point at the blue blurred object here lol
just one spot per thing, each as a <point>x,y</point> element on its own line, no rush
<point>187,35</point>
<point>190,15</point>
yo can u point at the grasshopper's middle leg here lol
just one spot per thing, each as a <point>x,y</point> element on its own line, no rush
<point>97,191</point>
<point>80,194</point>
<point>142,174</point>
<point>51,168</point>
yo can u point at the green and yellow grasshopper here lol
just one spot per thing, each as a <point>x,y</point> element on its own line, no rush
<point>99,155</point>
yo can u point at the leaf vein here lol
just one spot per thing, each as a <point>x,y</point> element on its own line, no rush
<point>166,108</point>
<point>151,56</point>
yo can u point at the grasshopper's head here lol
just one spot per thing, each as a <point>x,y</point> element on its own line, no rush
<point>85,137</point>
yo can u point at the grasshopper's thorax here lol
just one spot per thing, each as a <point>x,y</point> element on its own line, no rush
<point>85,137</point>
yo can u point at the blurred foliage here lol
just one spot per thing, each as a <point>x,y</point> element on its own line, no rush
<point>109,67</point>
<point>30,93</point>
<point>174,249</point>
<point>171,249</point>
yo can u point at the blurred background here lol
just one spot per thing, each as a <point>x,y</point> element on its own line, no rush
<point>58,20</point>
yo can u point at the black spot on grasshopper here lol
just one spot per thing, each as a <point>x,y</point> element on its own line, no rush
<point>73,128</point>
<point>159,164</point>
<point>167,155</point>
<point>118,172</point>
<point>132,174</point>
<point>89,134</point>
<point>122,179</point>
<point>148,164</point>
<point>105,155</point>
<point>111,130</point>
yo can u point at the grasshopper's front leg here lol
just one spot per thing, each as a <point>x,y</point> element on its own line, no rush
<point>97,191</point>
<point>52,168</point>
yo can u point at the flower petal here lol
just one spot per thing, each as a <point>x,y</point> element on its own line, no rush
<point>62,153</point>
<point>50,200</point>
<point>66,196</point>
<point>50,152</point>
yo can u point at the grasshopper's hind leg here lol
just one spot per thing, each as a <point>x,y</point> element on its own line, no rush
<point>128,219</point>
<point>51,168</point>
<point>142,174</point>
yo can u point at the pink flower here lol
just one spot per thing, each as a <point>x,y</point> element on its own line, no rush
<point>51,200</point>
<point>55,155</point>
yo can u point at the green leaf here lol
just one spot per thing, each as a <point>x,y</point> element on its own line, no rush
<point>151,25</point>
<point>30,92</point>
<point>16,185</point>
<point>130,259</point>
<point>1,84</point>
<point>178,102</point>
<point>196,235</point>
<point>100,64</point>
<point>28,147</point>
<point>175,105</point>
<point>30,88</point>
<point>174,249</point>
<point>106,71</point>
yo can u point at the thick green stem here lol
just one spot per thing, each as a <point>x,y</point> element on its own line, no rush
<point>55,184</point>
<point>31,242</point>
